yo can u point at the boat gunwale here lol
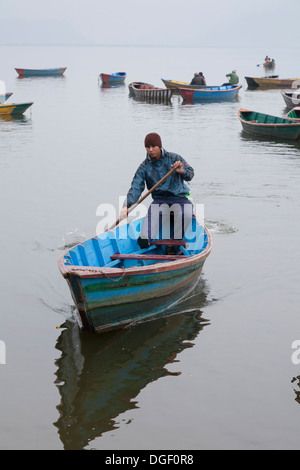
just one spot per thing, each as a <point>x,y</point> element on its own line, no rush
<point>210,90</point>
<point>10,105</point>
<point>175,83</point>
<point>68,270</point>
<point>132,85</point>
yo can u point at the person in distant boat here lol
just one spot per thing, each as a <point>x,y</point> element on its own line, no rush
<point>198,79</point>
<point>233,78</point>
<point>170,197</point>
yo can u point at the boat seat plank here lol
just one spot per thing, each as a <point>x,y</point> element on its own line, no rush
<point>146,257</point>
<point>169,242</point>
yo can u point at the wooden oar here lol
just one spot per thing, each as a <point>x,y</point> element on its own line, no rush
<point>142,198</point>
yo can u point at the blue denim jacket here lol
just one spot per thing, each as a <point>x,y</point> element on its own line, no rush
<point>150,172</point>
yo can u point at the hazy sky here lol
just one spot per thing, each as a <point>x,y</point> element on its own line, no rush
<point>262,23</point>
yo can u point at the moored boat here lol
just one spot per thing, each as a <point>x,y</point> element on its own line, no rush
<point>41,72</point>
<point>13,108</point>
<point>114,283</point>
<point>267,125</point>
<point>174,85</point>
<point>148,92</point>
<point>294,114</point>
<point>113,78</point>
<point>4,97</point>
<point>272,81</point>
<point>210,94</point>
<point>291,98</point>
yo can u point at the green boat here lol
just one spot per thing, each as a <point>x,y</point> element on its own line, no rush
<point>294,114</point>
<point>267,125</point>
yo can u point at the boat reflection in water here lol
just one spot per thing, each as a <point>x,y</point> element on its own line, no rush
<point>99,376</point>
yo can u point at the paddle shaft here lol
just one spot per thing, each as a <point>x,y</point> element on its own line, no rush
<point>143,197</point>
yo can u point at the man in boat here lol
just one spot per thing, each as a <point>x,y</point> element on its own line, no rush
<point>170,197</point>
<point>233,79</point>
<point>198,79</point>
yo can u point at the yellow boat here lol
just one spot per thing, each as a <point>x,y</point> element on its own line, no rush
<point>272,82</point>
<point>13,108</point>
<point>174,85</point>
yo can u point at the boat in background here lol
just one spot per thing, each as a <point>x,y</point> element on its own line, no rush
<point>174,85</point>
<point>218,93</point>
<point>41,72</point>
<point>294,114</point>
<point>267,125</point>
<point>147,92</point>
<point>272,81</point>
<point>113,78</point>
<point>291,98</point>
<point>115,283</point>
<point>13,109</point>
<point>4,97</point>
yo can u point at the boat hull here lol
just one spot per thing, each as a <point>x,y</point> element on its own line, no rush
<point>274,127</point>
<point>272,82</point>
<point>114,78</point>
<point>210,94</point>
<point>105,305</point>
<point>174,85</point>
<point>41,72</point>
<point>151,94</point>
<point>4,97</point>
<point>13,109</point>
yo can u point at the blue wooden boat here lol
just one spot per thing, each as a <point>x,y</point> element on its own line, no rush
<point>216,93</point>
<point>4,97</point>
<point>113,78</point>
<point>115,283</point>
<point>41,72</point>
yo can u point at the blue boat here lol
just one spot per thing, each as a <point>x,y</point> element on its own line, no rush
<point>4,97</point>
<point>41,72</point>
<point>215,93</point>
<point>114,283</point>
<point>113,78</point>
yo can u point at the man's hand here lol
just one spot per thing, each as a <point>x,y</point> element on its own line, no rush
<point>124,213</point>
<point>179,167</point>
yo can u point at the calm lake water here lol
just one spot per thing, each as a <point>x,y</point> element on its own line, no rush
<point>217,375</point>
